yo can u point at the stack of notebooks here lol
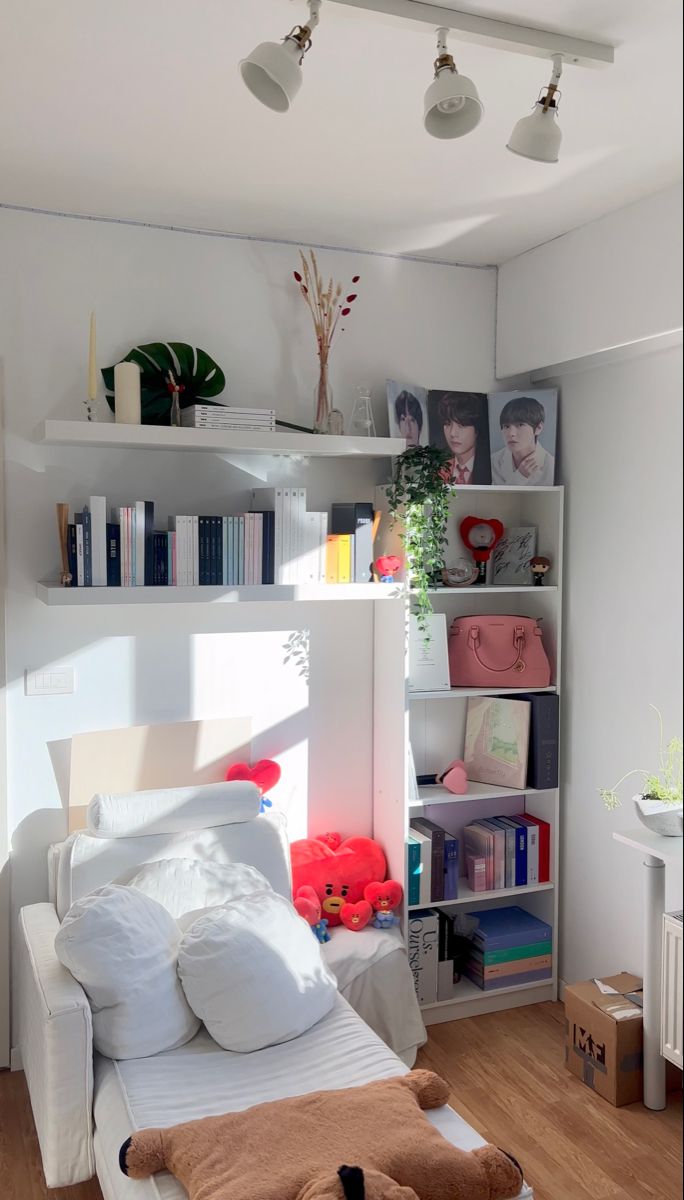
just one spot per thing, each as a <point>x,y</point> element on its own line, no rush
<point>507,852</point>
<point>510,947</point>
<point>221,416</point>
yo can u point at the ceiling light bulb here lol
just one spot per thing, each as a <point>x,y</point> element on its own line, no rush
<point>539,136</point>
<point>452,105</point>
<point>273,71</point>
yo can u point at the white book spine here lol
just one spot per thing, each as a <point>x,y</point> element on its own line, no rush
<point>532,854</point>
<point>98,518</point>
<point>231,552</point>
<point>287,536</point>
<point>300,532</point>
<point>184,527</point>
<point>310,554</point>
<point>224,550</point>
<point>123,546</point>
<point>249,549</point>
<point>322,543</point>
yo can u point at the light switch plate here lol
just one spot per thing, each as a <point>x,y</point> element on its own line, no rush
<point>50,681</point>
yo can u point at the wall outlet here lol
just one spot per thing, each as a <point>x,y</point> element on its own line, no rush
<point>53,681</point>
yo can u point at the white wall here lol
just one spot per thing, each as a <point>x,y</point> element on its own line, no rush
<point>621,449</point>
<point>238,301</point>
<point>614,282</point>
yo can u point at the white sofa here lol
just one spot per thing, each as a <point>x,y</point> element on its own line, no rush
<point>85,1105</point>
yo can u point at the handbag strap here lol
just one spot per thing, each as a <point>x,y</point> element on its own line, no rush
<point>518,643</point>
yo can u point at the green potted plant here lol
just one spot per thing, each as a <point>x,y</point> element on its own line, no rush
<point>419,496</point>
<point>659,804</point>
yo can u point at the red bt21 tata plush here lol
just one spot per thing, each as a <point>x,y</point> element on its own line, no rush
<point>340,873</point>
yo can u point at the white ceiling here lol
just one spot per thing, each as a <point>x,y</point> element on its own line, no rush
<point>134,109</point>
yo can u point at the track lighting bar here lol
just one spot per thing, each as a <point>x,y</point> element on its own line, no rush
<point>520,39</point>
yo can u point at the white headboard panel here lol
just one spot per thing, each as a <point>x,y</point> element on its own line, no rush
<point>86,862</point>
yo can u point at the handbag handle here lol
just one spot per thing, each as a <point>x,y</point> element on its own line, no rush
<point>518,642</point>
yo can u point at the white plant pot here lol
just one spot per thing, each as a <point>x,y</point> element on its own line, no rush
<point>660,818</point>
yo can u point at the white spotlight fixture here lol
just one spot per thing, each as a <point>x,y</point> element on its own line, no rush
<point>452,105</point>
<point>273,71</point>
<point>539,135</point>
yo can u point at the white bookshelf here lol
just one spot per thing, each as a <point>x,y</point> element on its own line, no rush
<point>110,436</point>
<point>56,596</point>
<point>434,721</point>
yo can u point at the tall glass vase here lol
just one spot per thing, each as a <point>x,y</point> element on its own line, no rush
<point>322,399</point>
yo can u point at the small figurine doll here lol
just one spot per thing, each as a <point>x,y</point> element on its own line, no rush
<point>480,535</point>
<point>387,566</point>
<point>539,567</point>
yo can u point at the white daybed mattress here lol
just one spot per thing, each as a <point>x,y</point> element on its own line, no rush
<point>200,1079</point>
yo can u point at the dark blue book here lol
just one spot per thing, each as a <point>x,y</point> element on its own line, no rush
<point>504,928</point>
<point>72,555</point>
<point>437,836</point>
<point>450,868</point>
<point>160,559</point>
<point>268,550</point>
<point>216,550</point>
<point>203,527</point>
<point>113,555</point>
<point>542,761</point>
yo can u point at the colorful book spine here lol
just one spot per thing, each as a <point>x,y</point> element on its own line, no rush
<point>451,861</point>
<point>72,555</point>
<point>520,850</point>
<point>544,848</point>
<point>437,836</point>
<point>98,517</point>
<point>514,953</point>
<point>332,556</point>
<point>532,850</point>
<point>499,833</point>
<point>413,869</point>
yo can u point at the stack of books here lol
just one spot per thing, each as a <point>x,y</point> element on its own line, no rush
<point>299,536</point>
<point>433,863</point>
<point>510,947</point>
<point>222,416</point>
<point>507,852</point>
<point>349,545</point>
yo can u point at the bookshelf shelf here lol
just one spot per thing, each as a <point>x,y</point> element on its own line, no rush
<point>468,897</point>
<point>467,991</point>
<point>488,590</point>
<point>56,596</point>
<point>463,693</point>
<point>108,435</point>
<point>434,794</point>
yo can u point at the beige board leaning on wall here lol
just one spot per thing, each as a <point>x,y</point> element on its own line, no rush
<point>153,756</point>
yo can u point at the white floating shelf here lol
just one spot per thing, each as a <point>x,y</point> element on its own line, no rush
<point>468,991</point>
<point>435,794</point>
<point>466,896</point>
<point>487,590</point>
<point>522,490</point>
<point>108,435</point>
<point>54,595</point>
<point>463,693</point>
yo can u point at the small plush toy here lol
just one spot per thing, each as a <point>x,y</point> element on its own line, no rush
<point>265,774</point>
<point>387,567</point>
<point>480,535</point>
<point>384,897</point>
<point>307,904</point>
<point>381,1124</point>
<point>338,875</point>
<point>356,916</point>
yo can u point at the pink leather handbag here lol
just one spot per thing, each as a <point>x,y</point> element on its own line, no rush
<point>497,652</point>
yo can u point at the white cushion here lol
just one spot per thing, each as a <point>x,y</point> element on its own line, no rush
<point>253,972</point>
<point>185,884</point>
<point>122,947</point>
<point>173,810</point>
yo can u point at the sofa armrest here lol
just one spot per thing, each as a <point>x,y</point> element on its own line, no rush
<point>56,1043</point>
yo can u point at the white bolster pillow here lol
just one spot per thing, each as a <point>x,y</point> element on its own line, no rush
<point>173,810</point>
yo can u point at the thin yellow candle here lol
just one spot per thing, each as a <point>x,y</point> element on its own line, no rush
<point>92,361</point>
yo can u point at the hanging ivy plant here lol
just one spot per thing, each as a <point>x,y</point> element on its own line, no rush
<point>419,496</point>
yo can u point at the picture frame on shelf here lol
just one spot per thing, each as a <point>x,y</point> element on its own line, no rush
<point>522,433</point>
<point>511,557</point>
<point>407,410</point>
<point>497,738</point>
<point>459,425</point>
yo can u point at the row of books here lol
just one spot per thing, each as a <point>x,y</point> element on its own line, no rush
<point>509,947</point>
<point>507,852</point>
<point>498,853</point>
<point>278,541</point>
<point>223,416</point>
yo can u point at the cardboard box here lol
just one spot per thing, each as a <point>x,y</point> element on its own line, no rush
<point>604,1036</point>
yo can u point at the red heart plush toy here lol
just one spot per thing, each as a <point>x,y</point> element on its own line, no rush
<point>356,916</point>
<point>339,876</point>
<point>265,774</point>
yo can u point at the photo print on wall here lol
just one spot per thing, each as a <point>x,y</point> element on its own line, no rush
<point>408,413</point>
<point>522,431</point>
<point>458,424</point>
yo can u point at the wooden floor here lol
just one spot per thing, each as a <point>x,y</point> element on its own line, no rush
<point>508,1081</point>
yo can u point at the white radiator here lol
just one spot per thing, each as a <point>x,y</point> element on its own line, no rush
<point>673,963</point>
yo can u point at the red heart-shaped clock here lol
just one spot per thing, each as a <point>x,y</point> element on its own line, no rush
<point>339,876</point>
<point>265,774</point>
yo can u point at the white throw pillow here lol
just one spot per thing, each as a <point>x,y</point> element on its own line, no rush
<point>183,885</point>
<point>173,810</point>
<point>122,947</point>
<point>253,972</point>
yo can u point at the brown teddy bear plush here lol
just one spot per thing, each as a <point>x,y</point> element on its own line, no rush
<point>351,1183</point>
<point>277,1151</point>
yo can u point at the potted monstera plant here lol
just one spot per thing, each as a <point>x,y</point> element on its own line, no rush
<point>659,803</point>
<point>198,379</point>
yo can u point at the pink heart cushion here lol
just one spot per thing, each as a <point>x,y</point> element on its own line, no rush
<point>337,876</point>
<point>455,779</point>
<point>356,916</point>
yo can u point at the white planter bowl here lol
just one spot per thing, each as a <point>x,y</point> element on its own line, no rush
<point>660,818</point>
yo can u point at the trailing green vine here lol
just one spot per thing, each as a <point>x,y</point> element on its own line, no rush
<point>419,496</point>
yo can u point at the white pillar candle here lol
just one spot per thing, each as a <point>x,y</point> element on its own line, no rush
<point>127,393</point>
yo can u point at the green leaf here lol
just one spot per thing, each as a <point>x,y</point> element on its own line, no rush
<point>198,375</point>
